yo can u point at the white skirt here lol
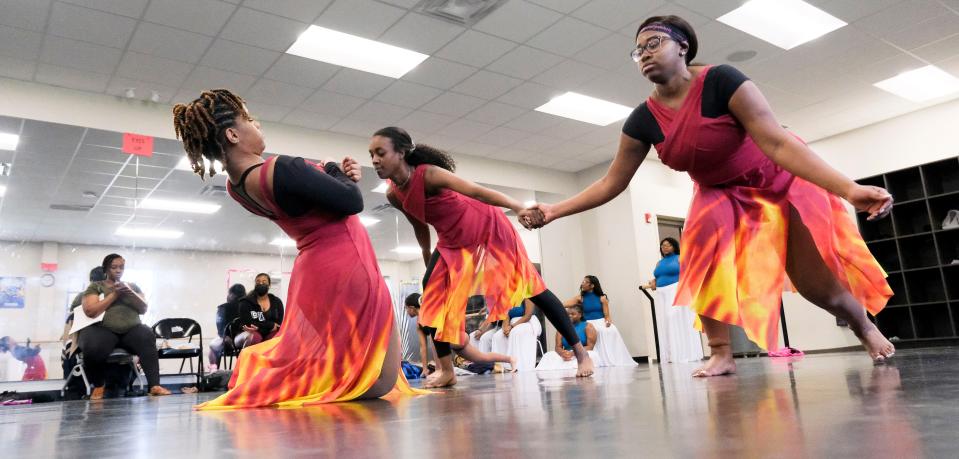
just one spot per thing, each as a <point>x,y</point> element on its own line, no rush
<point>485,343</point>
<point>610,348</point>
<point>679,340</point>
<point>552,361</point>
<point>520,344</point>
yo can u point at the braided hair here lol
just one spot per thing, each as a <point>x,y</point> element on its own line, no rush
<point>413,154</point>
<point>201,125</point>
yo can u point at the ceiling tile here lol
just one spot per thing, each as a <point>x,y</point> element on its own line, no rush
<point>608,53</point>
<point>524,62</point>
<point>563,6</point>
<point>20,43</point>
<point>895,17</point>
<point>380,113</point>
<point>504,136</point>
<point>17,68</point>
<point>625,90</point>
<point>263,30</point>
<point>712,8</point>
<point>616,14</point>
<point>163,41</point>
<point>236,57</point>
<point>331,103</point>
<point>301,71</point>
<point>364,18</point>
<point>517,20</point>
<point>421,33</point>
<point>940,50</point>
<point>569,150</point>
<point>851,11</point>
<point>534,121</point>
<point>439,73</point>
<point>537,143</point>
<point>79,55</point>
<point>495,113</point>
<point>25,14</point>
<point>453,104</point>
<point>201,16</point>
<point>568,129</point>
<point>420,123</point>
<point>925,33</point>
<point>209,78</point>
<point>530,95</point>
<point>151,68</point>
<point>402,3</point>
<point>130,8</point>
<point>356,127</point>
<point>406,94</point>
<point>487,85</point>
<point>464,130</point>
<point>357,83</point>
<point>78,23</point>
<point>475,48</point>
<point>694,19</point>
<point>277,93</point>
<point>300,10</point>
<point>119,85</point>
<point>568,37</point>
<point>71,78</point>
<point>568,74</point>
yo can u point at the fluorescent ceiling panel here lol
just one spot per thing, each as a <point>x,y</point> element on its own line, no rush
<point>338,48</point>
<point>921,84</point>
<point>148,233</point>
<point>180,206</point>
<point>586,109</point>
<point>8,141</point>
<point>784,23</point>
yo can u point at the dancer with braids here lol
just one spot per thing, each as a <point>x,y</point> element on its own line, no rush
<point>764,204</point>
<point>337,341</point>
<point>478,251</point>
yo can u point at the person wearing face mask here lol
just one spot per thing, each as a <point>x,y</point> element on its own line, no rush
<point>261,314</point>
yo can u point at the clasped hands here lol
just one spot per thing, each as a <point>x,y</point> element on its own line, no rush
<point>349,166</point>
<point>536,216</point>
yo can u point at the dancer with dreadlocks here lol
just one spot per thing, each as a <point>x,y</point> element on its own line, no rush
<point>338,341</point>
<point>478,251</point>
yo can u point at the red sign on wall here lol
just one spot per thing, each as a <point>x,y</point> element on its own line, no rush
<point>135,144</point>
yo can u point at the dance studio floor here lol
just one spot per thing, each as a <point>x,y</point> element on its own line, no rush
<point>828,405</point>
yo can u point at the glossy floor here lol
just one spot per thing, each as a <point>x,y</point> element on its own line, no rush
<point>830,405</point>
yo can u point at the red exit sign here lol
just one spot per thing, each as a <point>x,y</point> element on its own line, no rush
<point>135,144</point>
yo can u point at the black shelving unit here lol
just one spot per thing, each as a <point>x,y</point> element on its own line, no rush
<point>921,258</point>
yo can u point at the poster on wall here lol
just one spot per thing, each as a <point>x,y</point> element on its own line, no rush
<point>12,292</point>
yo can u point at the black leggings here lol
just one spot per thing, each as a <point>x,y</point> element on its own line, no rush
<point>97,342</point>
<point>547,302</point>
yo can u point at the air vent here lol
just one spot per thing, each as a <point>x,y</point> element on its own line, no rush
<point>72,207</point>
<point>213,190</point>
<point>462,12</point>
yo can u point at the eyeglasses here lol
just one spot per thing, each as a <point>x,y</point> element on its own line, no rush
<point>652,45</point>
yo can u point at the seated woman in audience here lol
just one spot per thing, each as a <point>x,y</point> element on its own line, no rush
<point>121,304</point>
<point>517,337</point>
<point>466,350</point>
<point>261,314</point>
<point>225,314</point>
<point>563,358</point>
<point>482,337</point>
<point>610,346</point>
<point>678,339</point>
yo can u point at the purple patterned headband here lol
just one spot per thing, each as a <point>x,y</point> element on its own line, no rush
<point>675,34</point>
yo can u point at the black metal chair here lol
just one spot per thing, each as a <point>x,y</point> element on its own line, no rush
<point>118,356</point>
<point>181,329</point>
<point>230,350</point>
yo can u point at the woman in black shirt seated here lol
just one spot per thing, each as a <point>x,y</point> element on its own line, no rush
<point>261,314</point>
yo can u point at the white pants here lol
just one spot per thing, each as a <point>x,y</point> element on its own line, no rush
<point>520,344</point>
<point>678,338</point>
<point>610,348</point>
<point>552,361</point>
<point>485,343</point>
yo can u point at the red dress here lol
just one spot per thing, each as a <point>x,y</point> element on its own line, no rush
<point>733,251</point>
<point>338,322</point>
<point>480,254</point>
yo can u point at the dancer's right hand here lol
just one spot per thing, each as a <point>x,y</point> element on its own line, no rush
<point>352,169</point>
<point>872,199</point>
<point>537,216</point>
<point>477,335</point>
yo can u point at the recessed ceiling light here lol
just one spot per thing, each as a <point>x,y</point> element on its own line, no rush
<point>180,206</point>
<point>338,48</point>
<point>283,242</point>
<point>921,84</point>
<point>381,188</point>
<point>184,165</point>
<point>784,23</point>
<point>148,232</point>
<point>3,190</point>
<point>368,221</point>
<point>9,141</point>
<point>408,249</point>
<point>586,109</point>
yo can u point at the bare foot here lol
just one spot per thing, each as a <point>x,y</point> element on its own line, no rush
<point>878,347</point>
<point>512,364</point>
<point>440,379</point>
<point>585,367</point>
<point>159,391</point>
<point>720,363</point>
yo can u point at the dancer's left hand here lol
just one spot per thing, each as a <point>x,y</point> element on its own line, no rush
<point>872,199</point>
<point>352,169</point>
<point>608,322</point>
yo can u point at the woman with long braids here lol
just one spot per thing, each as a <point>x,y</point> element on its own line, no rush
<point>337,341</point>
<point>764,203</point>
<point>478,251</point>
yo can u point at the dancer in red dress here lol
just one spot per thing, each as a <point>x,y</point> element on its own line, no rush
<point>764,204</point>
<point>478,251</point>
<point>338,341</point>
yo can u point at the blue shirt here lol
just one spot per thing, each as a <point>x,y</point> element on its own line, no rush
<point>580,328</point>
<point>518,311</point>
<point>667,271</point>
<point>592,306</point>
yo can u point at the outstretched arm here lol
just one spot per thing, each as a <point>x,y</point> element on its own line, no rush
<point>437,177</point>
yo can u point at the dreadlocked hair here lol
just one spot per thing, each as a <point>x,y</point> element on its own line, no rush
<point>416,154</point>
<point>201,125</point>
